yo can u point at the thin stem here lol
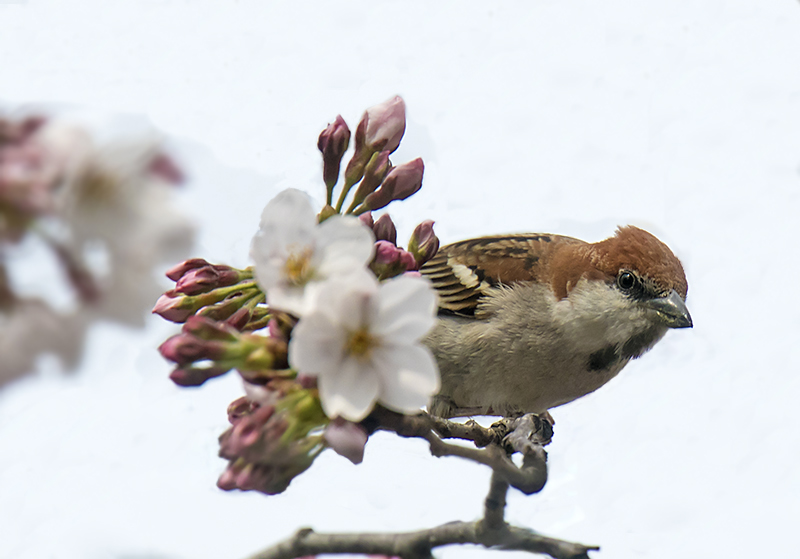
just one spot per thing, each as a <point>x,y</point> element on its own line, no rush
<point>345,191</point>
<point>352,206</point>
<point>418,545</point>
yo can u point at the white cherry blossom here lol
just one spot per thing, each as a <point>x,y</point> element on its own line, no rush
<point>30,328</point>
<point>362,342</point>
<point>114,208</point>
<point>293,254</point>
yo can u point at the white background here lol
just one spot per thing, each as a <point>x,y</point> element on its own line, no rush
<point>568,116</point>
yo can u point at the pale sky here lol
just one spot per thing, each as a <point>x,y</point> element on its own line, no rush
<point>566,117</point>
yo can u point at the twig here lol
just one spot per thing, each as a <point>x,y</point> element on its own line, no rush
<point>418,545</point>
<point>524,434</point>
<point>494,506</point>
<point>470,431</point>
<point>530,478</point>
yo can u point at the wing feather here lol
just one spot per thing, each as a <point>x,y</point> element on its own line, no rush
<point>463,272</point>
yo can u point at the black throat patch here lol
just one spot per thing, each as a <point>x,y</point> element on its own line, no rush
<point>603,359</point>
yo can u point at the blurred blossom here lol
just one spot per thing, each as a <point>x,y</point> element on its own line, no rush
<point>293,254</point>
<point>103,211</point>
<point>28,176</point>
<point>29,328</point>
<point>362,342</point>
<point>112,198</point>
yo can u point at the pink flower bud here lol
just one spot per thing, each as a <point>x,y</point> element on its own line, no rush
<point>177,272</point>
<point>333,142</point>
<point>195,376</point>
<point>385,230</point>
<point>407,178</point>
<point>206,328</point>
<point>407,261</point>
<point>346,439</point>
<point>386,253</point>
<point>227,481</point>
<point>185,348</point>
<point>240,318</point>
<point>385,125</point>
<point>240,408</point>
<point>366,219</point>
<point>206,278</point>
<point>248,430</point>
<point>226,308</point>
<point>174,309</point>
<point>381,128</point>
<point>401,182</point>
<point>423,244</point>
<point>391,261</point>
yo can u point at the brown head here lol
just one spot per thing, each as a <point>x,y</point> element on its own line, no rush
<point>632,248</point>
<point>636,263</point>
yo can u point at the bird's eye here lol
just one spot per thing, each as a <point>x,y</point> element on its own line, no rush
<point>626,281</point>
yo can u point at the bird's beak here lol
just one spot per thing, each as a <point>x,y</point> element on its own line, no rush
<point>671,310</point>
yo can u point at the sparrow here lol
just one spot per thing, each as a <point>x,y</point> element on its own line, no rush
<point>529,322</point>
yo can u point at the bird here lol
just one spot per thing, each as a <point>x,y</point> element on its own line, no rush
<point>529,322</point>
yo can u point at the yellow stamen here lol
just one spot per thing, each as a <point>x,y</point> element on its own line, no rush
<point>97,187</point>
<point>360,343</point>
<point>298,267</point>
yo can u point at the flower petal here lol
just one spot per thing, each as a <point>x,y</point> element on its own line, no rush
<point>403,330</point>
<point>345,244</point>
<point>288,224</point>
<point>409,377</point>
<point>406,309</point>
<point>351,392</point>
<point>290,211</point>
<point>294,300</point>
<point>317,345</point>
<point>347,439</point>
<point>347,299</point>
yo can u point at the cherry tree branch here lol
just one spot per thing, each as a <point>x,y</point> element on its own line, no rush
<point>419,545</point>
<point>525,434</point>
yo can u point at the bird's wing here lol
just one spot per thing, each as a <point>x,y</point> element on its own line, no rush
<point>463,272</point>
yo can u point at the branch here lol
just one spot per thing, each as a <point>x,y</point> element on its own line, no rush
<point>418,545</point>
<point>529,479</point>
<point>494,506</point>
<point>525,434</point>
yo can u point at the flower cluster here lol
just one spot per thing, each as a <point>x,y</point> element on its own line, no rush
<point>100,211</point>
<point>327,322</point>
